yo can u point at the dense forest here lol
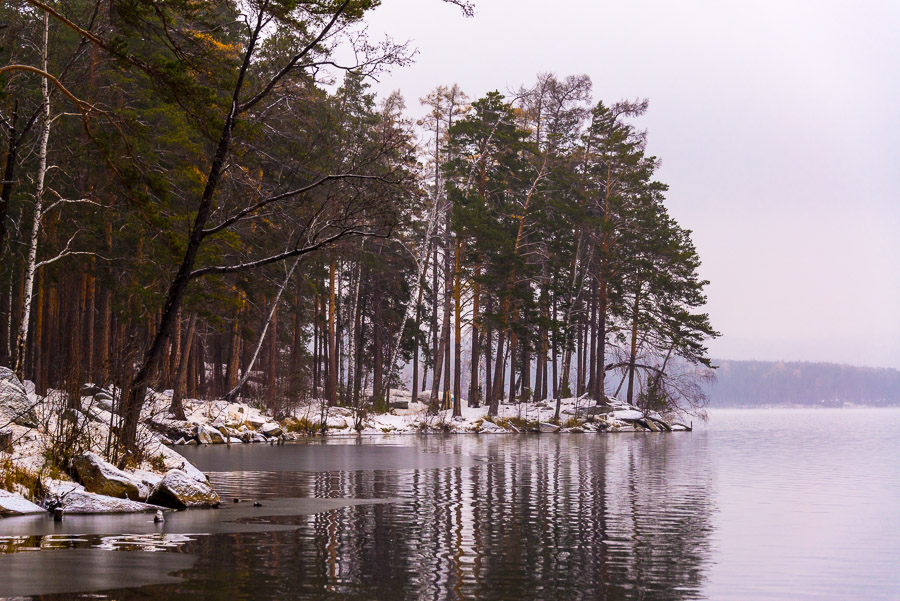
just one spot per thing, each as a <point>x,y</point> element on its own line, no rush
<point>207,197</point>
<point>756,383</point>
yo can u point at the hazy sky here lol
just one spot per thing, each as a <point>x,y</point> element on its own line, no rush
<point>778,124</point>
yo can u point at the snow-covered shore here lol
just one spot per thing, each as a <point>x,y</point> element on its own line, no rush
<point>28,425</point>
<point>240,422</point>
<point>33,430</point>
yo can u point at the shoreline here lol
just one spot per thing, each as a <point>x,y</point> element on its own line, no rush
<point>31,481</point>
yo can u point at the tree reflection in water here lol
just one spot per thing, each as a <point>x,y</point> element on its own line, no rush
<point>525,517</point>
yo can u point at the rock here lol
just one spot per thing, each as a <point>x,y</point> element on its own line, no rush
<point>73,498</point>
<point>192,441</point>
<point>271,429</point>
<point>172,459</point>
<point>147,479</point>
<point>171,429</point>
<point>209,435</point>
<point>627,415</point>
<point>255,421</point>
<point>178,490</point>
<point>595,410</point>
<point>14,404</point>
<point>15,504</point>
<point>398,405</point>
<point>81,501</point>
<point>90,389</point>
<point>76,417</point>
<point>102,478</point>
<point>253,437</point>
<point>490,428</point>
<point>548,428</point>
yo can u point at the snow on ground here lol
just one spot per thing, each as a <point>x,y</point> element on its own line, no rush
<point>576,414</point>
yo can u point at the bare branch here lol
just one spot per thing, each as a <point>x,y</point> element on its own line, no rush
<point>296,252</point>
<point>290,65</point>
<point>246,211</point>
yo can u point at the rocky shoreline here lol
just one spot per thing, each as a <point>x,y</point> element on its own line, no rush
<point>30,482</point>
<point>166,480</point>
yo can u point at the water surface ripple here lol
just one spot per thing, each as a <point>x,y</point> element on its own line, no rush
<point>774,504</point>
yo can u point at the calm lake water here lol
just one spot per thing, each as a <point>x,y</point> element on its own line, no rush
<point>764,504</point>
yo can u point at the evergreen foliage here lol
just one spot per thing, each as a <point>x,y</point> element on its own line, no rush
<point>196,152</point>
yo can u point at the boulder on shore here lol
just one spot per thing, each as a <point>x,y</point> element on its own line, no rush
<point>15,504</point>
<point>251,436</point>
<point>209,435</point>
<point>271,430</point>
<point>14,404</point>
<point>102,478</point>
<point>73,498</point>
<point>487,427</point>
<point>255,421</point>
<point>179,491</point>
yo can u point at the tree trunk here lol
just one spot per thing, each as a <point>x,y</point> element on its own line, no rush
<point>175,294</point>
<point>39,315</point>
<point>235,388</point>
<point>297,342</point>
<point>8,176</point>
<point>437,355</point>
<point>218,361</point>
<point>317,346</point>
<point>177,406</point>
<point>632,355</point>
<point>377,340</point>
<point>234,354</point>
<point>170,373</point>
<point>272,353</point>
<point>487,343</point>
<point>555,354</point>
<point>497,392</point>
<point>89,329</point>
<point>513,349</point>
<point>457,331</point>
<point>331,388</point>
<point>474,400</point>
<point>31,261</point>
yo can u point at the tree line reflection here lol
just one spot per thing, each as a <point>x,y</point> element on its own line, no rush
<point>542,517</point>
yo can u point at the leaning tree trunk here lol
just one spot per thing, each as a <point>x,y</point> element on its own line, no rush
<point>232,394</point>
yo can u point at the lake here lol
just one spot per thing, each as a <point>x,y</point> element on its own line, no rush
<point>755,504</point>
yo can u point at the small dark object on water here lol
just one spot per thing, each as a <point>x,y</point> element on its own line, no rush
<point>257,504</point>
<point>159,517</point>
<point>58,514</point>
<point>236,500</point>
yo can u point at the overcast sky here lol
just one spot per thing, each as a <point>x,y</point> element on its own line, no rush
<point>778,124</point>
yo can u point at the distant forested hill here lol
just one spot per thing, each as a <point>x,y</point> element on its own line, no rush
<point>750,383</point>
